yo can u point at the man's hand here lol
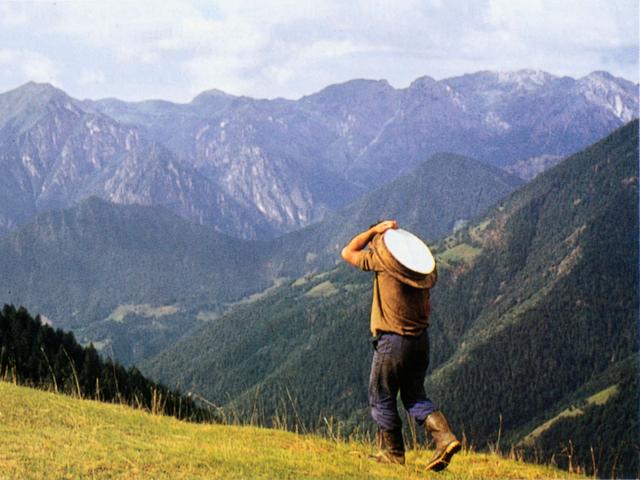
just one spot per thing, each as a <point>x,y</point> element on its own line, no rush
<point>360,241</point>
<point>384,226</point>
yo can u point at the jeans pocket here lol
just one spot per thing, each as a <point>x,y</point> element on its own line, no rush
<point>384,343</point>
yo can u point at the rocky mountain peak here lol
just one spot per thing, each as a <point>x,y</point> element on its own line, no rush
<point>617,95</point>
<point>525,79</point>
<point>213,99</point>
<point>38,88</point>
<point>601,75</point>
<point>349,92</point>
<point>33,95</point>
<point>23,104</point>
<point>605,81</point>
<point>422,82</point>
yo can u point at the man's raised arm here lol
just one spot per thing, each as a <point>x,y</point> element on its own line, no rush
<point>360,241</point>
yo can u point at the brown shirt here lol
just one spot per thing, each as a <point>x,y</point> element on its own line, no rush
<point>397,307</point>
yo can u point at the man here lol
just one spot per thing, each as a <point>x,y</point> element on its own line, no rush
<point>399,321</point>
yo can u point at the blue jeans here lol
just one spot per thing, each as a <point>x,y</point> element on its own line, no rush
<point>399,364</point>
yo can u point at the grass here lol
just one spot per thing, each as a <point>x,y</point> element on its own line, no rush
<point>599,398</point>
<point>603,396</point>
<point>207,316</point>
<point>461,252</point>
<point>46,435</point>
<point>476,232</point>
<point>145,310</point>
<point>324,289</point>
<point>277,283</point>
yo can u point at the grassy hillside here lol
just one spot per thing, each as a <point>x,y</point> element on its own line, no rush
<point>44,435</point>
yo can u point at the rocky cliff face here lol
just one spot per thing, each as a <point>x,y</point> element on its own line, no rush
<point>54,153</point>
<point>256,168</point>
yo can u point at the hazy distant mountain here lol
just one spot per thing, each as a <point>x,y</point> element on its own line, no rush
<point>532,167</point>
<point>498,118</point>
<point>255,168</point>
<point>133,279</point>
<point>120,275</point>
<point>535,311</point>
<point>54,153</point>
<point>442,194</point>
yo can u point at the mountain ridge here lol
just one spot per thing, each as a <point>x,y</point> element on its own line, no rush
<point>259,168</point>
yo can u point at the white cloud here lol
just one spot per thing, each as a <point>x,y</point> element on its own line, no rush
<point>292,47</point>
<point>91,77</point>
<point>222,72</point>
<point>11,15</point>
<point>151,30</point>
<point>570,23</point>
<point>27,66</point>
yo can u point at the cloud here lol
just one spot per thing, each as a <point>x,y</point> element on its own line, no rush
<point>91,77</point>
<point>12,16</point>
<point>24,66</point>
<point>151,31</point>
<point>289,48</point>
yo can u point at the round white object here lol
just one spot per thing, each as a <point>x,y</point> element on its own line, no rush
<point>409,250</point>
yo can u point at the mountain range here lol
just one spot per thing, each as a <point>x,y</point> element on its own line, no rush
<point>256,168</point>
<point>201,240</point>
<point>135,278</point>
<point>534,316</point>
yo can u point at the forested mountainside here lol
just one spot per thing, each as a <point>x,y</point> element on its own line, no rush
<point>257,168</point>
<point>120,271</point>
<point>551,301</point>
<point>36,355</point>
<point>596,426</point>
<point>536,308</point>
<point>444,193</point>
<point>134,279</point>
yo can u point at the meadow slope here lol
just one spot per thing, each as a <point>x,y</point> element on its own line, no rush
<point>45,435</point>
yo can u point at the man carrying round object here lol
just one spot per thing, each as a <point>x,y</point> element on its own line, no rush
<point>404,272</point>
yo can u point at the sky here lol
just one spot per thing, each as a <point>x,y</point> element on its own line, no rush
<point>175,49</point>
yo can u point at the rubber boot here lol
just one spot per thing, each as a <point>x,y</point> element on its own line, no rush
<point>447,445</point>
<point>391,448</point>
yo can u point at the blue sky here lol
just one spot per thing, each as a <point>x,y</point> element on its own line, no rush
<point>173,50</point>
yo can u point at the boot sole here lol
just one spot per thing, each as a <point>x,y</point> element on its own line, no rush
<point>442,461</point>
